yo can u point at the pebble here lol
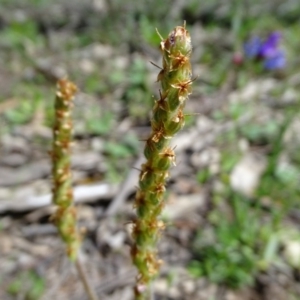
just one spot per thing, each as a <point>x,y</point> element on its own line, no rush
<point>292,253</point>
<point>189,286</point>
<point>246,174</point>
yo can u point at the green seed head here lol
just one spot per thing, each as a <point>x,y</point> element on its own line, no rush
<point>167,120</point>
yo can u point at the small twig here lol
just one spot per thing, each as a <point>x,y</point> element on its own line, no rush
<point>84,278</point>
<point>82,194</point>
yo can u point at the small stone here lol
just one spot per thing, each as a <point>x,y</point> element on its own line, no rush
<point>174,292</point>
<point>246,174</point>
<point>116,241</point>
<point>100,51</point>
<point>25,261</point>
<point>100,6</point>
<point>204,124</point>
<point>97,144</point>
<point>189,286</point>
<point>161,286</point>
<point>290,96</point>
<point>87,66</point>
<point>205,158</point>
<point>292,253</point>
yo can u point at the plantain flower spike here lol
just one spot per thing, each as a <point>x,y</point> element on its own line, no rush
<point>167,120</point>
<point>65,214</point>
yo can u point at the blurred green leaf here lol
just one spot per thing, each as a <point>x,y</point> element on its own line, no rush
<point>29,284</point>
<point>22,114</point>
<point>260,133</point>
<point>100,125</point>
<point>117,150</point>
<point>203,175</point>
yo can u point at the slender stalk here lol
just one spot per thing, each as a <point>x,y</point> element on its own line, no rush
<point>167,120</point>
<point>86,284</point>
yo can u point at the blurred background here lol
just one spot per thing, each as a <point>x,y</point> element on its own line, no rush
<point>232,205</point>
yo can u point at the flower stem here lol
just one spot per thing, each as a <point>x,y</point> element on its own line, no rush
<point>87,286</point>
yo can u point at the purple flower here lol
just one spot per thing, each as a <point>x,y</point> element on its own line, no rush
<point>276,61</point>
<point>270,46</point>
<point>268,51</point>
<point>252,47</point>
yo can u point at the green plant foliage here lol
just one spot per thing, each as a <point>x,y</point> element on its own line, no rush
<point>236,110</point>
<point>138,97</point>
<point>116,77</point>
<point>100,125</point>
<point>241,237</point>
<point>150,36</point>
<point>95,84</point>
<point>30,98</point>
<point>29,284</point>
<point>22,114</point>
<point>18,33</point>
<point>228,161</point>
<point>203,175</point>
<point>117,150</point>
<point>260,134</point>
<point>231,253</point>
